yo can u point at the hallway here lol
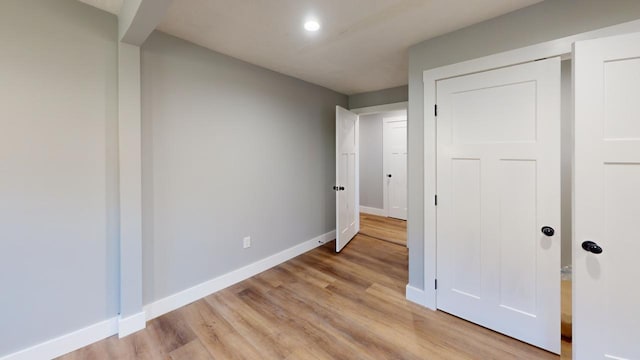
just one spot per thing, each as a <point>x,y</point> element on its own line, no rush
<point>384,228</point>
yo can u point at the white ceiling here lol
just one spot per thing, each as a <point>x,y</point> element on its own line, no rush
<point>362,46</point>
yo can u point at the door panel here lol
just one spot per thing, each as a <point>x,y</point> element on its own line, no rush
<point>621,91</point>
<point>513,118</point>
<point>621,214</point>
<point>465,238</point>
<point>518,192</point>
<point>498,184</point>
<point>347,193</point>
<point>395,164</point>
<point>607,198</point>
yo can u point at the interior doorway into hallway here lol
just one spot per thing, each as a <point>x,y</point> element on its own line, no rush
<point>383,172</point>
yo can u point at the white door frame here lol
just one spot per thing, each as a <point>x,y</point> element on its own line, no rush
<point>385,161</point>
<point>560,47</point>
<point>381,108</point>
<point>377,109</point>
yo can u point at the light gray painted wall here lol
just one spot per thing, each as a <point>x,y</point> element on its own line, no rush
<point>545,21</point>
<point>371,158</point>
<point>566,170</point>
<point>380,97</point>
<point>371,161</point>
<point>229,150</point>
<point>58,170</point>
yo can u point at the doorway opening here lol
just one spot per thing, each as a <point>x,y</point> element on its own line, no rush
<point>383,175</point>
<point>380,202</point>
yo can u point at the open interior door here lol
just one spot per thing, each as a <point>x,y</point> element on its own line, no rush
<point>606,211</point>
<point>347,183</point>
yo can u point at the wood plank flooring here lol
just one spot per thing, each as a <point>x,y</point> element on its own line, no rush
<point>384,228</point>
<point>320,305</point>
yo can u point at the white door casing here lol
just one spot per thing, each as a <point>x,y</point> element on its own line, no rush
<point>606,209</point>
<point>347,177</point>
<point>498,184</point>
<point>395,167</point>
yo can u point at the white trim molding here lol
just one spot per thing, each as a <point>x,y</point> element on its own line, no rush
<point>560,47</point>
<point>67,343</point>
<point>416,295</point>
<point>372,211</point>
<point>185,297</point>
<point>131,324</point>
<point>125,326</point>
<point>381,108</point>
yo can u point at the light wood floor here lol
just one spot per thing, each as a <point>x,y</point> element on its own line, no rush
<point>384,228</point>
<point>320,305</point>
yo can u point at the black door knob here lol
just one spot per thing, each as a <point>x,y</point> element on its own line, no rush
<point>388,175</point>
<point>341,188</point>
<point>548,230</point>
<point>591,247</point>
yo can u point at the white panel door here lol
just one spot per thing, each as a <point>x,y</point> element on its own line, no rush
<point>395,167</point>
<point>347,184</point>
<point>498,181</point>
<point>606,297</point>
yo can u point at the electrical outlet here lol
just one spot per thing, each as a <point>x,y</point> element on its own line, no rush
<point>246,242</point>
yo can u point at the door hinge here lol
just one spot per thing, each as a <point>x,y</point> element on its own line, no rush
<point>435,110</point>
<point>435,200</point>
<point>436,284</point>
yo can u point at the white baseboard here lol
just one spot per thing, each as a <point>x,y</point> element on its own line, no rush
<point>125,326</point>
<point>131,324</point>
<point>67,343</point>
<point>372,211</point>
<point>418,296</point>
<point>199,291</point>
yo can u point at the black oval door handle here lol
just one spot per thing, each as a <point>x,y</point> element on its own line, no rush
<point>341,188</point>
<point>548,230</point>
<point>388,175</point>
<point>591,247</point>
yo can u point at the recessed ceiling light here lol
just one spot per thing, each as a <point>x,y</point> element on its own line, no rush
<point>312,25</point>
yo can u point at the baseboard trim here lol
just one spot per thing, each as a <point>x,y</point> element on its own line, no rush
<point>185,297</point>
<point>418,296</point>
<point>131,324</point>
<point>67,343</point>
<point>372,211</point>
<point>125,326</point>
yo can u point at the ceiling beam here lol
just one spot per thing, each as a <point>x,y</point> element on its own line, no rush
<point>138,18</point>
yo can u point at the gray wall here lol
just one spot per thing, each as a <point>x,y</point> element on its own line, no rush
<point>545,21</point>
<point>371,158</point>
<point>371,169</point>
<point>58,174</point>
<point>566,170</point>
<point>380,97</point>
<point>229,150</point>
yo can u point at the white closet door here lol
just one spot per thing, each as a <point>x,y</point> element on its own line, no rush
<point>606,309</point>
<point>498,185</point>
